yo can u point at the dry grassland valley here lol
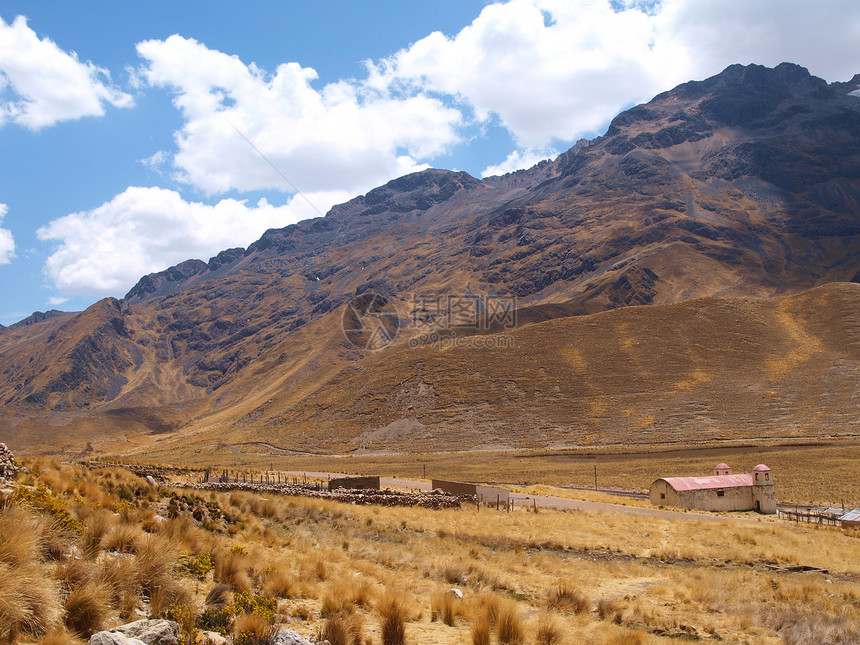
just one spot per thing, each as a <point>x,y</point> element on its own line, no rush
<point>640,360</point>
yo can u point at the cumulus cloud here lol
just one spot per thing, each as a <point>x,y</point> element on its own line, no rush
<point>558,70</point>
<point>7,243</point>
<point>47,84</point>
<point>342,136</point>
<point>106,250</point>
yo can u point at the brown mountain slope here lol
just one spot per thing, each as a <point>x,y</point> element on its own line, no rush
<point>707,370</point>
<point>743,185</point>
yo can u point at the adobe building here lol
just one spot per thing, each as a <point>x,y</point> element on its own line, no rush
<point>721,491</point>
<point>483,494</point>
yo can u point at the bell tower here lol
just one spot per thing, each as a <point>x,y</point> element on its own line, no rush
<point>764,496</point>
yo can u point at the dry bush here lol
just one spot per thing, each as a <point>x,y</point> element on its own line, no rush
<point>29,604</point>
<point>482,629</point>
<point>549,630</point>
<point>797,625</point>
<point>21,536</point>
<point>320,570</point>
<point>29,600</point>
<point>231,568</point>
<point>122,538</point>
<point>120,576</point>
<point>445,606</point>
<point>252,629</point>
<point>342,598</point>
<point>279,584</point>
<point>154,563</point>
<point>98,524</point>
<point>342,629</point>
<point>486,604</point>
<point>566,598</point>
<point>611,609</point>
<point>509,627</point>
<point>59,637</point>
<point>218,596</point>
<point>87,607</point>
<point>336,630</point>
<point>263,508</point>
<point>392,614</point>
<point>454,575</point>
<point>626,637</point>
<point>182,533</point>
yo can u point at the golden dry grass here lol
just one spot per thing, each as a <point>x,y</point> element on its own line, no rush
<point>362,573</point>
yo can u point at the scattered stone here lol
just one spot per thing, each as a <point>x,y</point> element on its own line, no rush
<point>151,480</point>
<point>456,592</point>
<point>113,638</point>
<point>213,638</point>
<point>8,469</point>
<point>289,637</point>
<point>152,632</point>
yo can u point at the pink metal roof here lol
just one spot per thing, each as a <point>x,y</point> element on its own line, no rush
<point>712,481</point>
<point>761,468</point>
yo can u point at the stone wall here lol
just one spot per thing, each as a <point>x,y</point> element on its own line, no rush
<point>8,469</point>
<point>484,494</point>
<point>354,483</point>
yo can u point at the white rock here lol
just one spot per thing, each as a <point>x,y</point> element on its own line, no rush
<point>113,638</point>
<point>152,632</point>
<point>289,637</point>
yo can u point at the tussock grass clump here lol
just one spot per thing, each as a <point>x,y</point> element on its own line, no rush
<point>232,568</point>
<point>122,538</point>
<point>59,637</point>
<point>482,630</point>
<point>509,626</point>
<point>566,598</point>
<point>344,596</point>
<point>343,629</point>
<point>611,609</point>
<point>445,606</point>
<point>29,598</point>
<point>392,613</point>
<point>252,629</point>
<point>487,605</point>
<point>87,607</point>
<point>549,630</point>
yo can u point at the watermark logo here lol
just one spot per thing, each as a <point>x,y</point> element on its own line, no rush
<point>370,321</point>
<point>470,313</point>
<point>463,320</point>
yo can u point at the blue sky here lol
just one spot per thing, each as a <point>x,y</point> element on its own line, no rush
<point>125,126</point>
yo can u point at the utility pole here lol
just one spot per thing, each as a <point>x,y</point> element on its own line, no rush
<point>595,476</point>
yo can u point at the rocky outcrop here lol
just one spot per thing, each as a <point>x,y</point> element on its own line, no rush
<point>147,632</point>
<point>37,317</point>
<point>8,469</point>
<point>289,637</point>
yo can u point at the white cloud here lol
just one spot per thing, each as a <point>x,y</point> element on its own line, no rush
<point>56,301</point>
<point>105,251</point>
<point>157,160</point>
<point>7,243</point>
<point>48,84</point>
<point>518,160</point>
<point>557,70</point>
<point>343,136</point>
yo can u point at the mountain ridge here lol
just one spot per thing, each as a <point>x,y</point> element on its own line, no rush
<point>742,185</point>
